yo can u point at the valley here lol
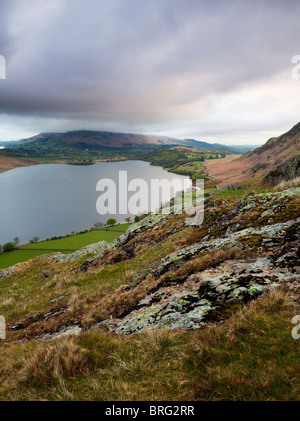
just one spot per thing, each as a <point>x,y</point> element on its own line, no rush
<point>196,308</point>
<point>150,206</point>
<point>82,147</point>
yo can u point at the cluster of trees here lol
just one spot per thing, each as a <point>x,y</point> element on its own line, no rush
<point>7,247</point>
<point>111,222</point>
<point>13,245</point>
<point>35,240</point>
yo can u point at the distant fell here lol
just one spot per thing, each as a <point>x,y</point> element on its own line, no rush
<point>100,139</point>
<point>111,140</point>
<point>206,146</point>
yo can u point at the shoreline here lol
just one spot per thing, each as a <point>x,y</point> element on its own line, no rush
<point>8,163</point>
<point>22,162</point>
<point>28,162</point>
<point>62,233</point>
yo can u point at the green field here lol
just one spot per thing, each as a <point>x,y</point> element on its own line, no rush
<point>191,168</point>
<point>182,161</point>
<point>64,245</point>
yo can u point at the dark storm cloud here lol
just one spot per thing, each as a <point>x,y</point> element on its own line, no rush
<point>135,64</point>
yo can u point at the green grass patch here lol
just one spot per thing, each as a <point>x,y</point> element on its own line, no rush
<point>64,245</point>
<point>210,190</point>
<point>17,256</point>
<point>81,240</point>
<point>231,194</point>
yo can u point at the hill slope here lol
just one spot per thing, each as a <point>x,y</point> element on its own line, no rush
<point>8,162</point>
<point>72,319</point>
<point>271,157</point>
<point>100,139</point>
<point>86,147</point>
<point>85,138</point>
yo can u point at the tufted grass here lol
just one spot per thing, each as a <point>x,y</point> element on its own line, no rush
<point>251,356</point>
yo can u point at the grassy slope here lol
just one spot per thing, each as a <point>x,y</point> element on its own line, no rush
<point>252,356</point>
<point>17,256</point>
<point>96,292</point>
<point>8,161</point>
<point>267,160</point>
<point>73,243</point>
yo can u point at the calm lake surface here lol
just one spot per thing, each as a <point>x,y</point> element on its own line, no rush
<point>54,200</point>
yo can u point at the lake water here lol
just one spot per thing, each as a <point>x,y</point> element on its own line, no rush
<point>53,200</point>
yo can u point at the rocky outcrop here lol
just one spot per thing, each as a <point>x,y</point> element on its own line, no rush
<point>98,249</point>
<point>206,297</point>
<point>212,295</point>
<point>5,273</point>
<point>285,172</point>
<point>266,236</point>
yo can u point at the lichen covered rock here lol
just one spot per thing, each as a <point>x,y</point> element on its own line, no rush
<point>206,297</point>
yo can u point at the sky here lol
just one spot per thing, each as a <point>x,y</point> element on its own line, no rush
<point>213,70</point>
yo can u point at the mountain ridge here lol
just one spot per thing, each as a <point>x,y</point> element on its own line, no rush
<point>270,158</point>
<point>108,139</point>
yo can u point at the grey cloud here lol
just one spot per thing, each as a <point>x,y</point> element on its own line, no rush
<point>134,64</point>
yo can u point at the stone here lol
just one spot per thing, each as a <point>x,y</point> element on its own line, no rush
<point>46,273</point>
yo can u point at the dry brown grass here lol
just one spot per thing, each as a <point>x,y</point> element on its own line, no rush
<point>245,218</point>
<point>247,357</point>
<point>160,343</point>
<point>284,185</point>
<point>6,299</point>
<point>59,281</point>
<point>251,356</point>
<point>54,362</point>
<point>74,301</point>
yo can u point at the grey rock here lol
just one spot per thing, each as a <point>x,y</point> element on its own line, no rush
<point>46,273</point>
